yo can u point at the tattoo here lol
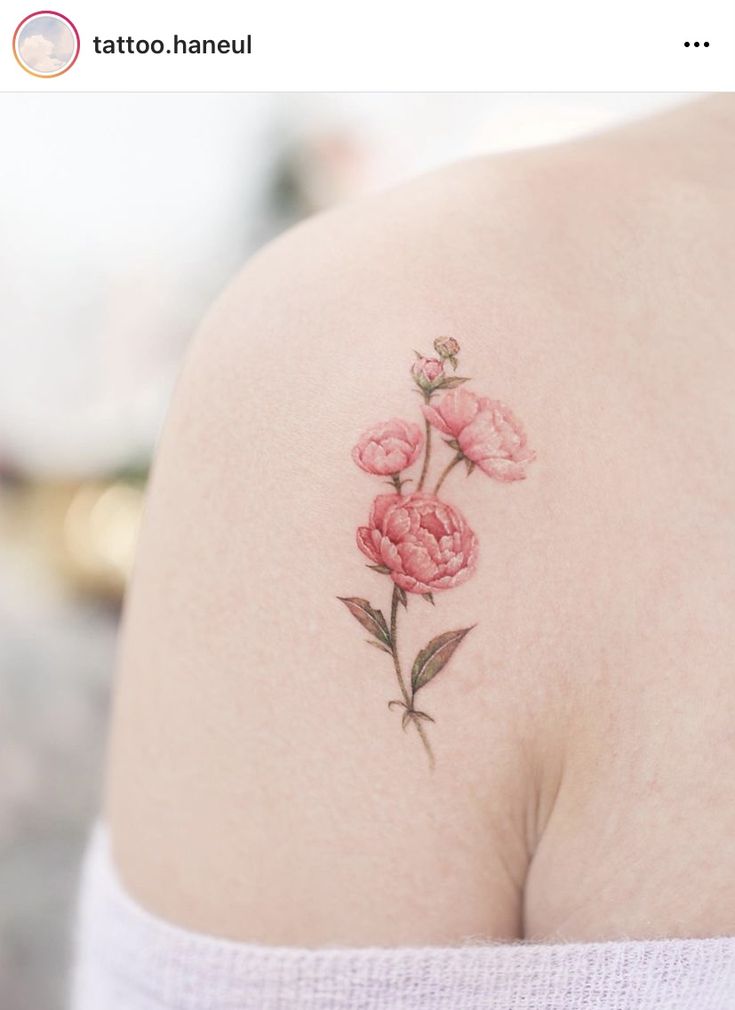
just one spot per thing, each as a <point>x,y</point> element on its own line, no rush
<point>421,542</point>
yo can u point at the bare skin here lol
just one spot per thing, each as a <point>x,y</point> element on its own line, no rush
<point>258,786</point>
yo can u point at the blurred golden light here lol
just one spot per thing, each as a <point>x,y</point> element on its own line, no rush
<point>100,532</point>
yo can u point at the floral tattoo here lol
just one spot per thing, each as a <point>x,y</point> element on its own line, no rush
<point>420,541</point>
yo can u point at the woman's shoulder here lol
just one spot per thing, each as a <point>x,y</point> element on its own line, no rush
<point>260,786</point>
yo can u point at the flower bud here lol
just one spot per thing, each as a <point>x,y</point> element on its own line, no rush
<point>427,372</point>
<point>446,347</point>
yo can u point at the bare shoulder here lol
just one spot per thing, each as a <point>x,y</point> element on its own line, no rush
<point>260,787</point>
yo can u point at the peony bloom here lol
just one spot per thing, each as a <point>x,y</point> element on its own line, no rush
<point>446,347</point>
<point>425,543</point>
<point>388,448</point>
<point>486,431</point>
<point>426,371</point>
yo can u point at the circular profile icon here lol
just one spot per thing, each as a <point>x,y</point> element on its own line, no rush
<point>46,44</point>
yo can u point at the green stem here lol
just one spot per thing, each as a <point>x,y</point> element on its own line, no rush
<point>407,698</point>
<point>427,455</point>
<point>394,646</point>
<point>457,459</point>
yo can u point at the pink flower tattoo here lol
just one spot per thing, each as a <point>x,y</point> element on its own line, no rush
<point>386,449</point>
<point>483,431</point>
<point>421,542</point>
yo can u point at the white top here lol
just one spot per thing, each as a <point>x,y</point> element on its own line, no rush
<point>127,959</point>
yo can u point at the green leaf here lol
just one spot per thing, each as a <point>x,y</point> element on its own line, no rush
<point>378,645</point>
<point>452,443</point>
<point>402,597</point>
<point>470,465</point>
<point>422,715</point>
<point>382,569</point>
<point>452,381</point>
<point>432,659</point>
<point>429,597</point>
<point>371,619</point>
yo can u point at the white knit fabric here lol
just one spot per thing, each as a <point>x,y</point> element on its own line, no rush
<point>129,960</point>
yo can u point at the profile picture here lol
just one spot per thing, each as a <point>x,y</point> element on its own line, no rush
<point>46,44</point>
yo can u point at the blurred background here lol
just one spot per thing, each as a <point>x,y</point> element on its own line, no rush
<point>121,217</point>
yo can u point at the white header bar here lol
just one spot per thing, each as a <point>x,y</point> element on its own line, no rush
<point>384,45</point>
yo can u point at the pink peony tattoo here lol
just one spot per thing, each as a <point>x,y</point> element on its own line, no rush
<point>422,543</point>
<point>388,448</point>
<point>484,432</point>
